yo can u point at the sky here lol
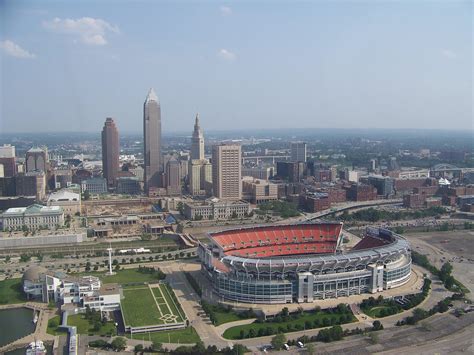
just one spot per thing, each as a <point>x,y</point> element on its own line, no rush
<point>67,65</point>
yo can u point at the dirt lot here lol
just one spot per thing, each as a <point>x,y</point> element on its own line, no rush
<point>457,247</point>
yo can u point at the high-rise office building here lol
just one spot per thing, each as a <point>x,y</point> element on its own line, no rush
<point>173,181</point>
<point>298,152</point>
<point>152,140</point>
<point>8,160</point>
<point>226,171</point>
<point>110,151</point>
<point>36,160</point>
<point>7,151</point>
<point>197,141</point>
<point>199,177</point>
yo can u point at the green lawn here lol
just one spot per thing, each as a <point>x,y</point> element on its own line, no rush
<point>234,332</point>
<point>53,326</point>
<point>173,306</point>
<point>139,307</point>
<point>11,292</point>
<point>182,336</point>
<point>374,312</point>
<point>82,324</point>
<point>226,317</point>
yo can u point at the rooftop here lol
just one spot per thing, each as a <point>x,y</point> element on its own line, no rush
<point>33,209</point>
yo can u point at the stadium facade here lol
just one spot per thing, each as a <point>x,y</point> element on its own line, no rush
<point>302,263</point>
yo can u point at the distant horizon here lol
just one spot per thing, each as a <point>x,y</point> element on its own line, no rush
<point>307,130</point>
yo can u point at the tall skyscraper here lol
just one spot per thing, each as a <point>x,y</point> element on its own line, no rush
<point>197,144</point>
<point>152,140</point>
<point>110,151</point>
<point>298,152</point>
<point>227,171</point>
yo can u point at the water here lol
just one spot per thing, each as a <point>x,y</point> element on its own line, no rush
<point>49,350</point>
<point>15,323</point>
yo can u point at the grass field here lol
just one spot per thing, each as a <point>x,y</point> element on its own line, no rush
<point>150,306</point>
<point>139,307</point>
<point>11,292</point>
<point>374,312</point>
<point>182,336</point>
<point>234,332</point>
<point>82,324</point>
<point>223,317</point>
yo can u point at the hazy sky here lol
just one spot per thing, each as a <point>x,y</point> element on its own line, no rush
<point>67,65</point>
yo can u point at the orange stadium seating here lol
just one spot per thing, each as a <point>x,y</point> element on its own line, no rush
<point>279,240</point>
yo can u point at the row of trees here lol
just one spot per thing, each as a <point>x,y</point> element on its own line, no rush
<point>374,215</point>
<point>194,284</point>
<point>285,322</point>
<point>444,273</point>
<point>200,349</point>
<point>118,344</point>
<point>283,208</point>
<point>420,314</point>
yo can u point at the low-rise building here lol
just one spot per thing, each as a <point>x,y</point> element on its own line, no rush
<point>216,209</point>
<point>383,184</point>
<point>32,217</point>
<point>95,185</point>
<point>69,201</point>
<point>39,283</point>
<point>128,185</point>
<point>361,192</point>
<point>257,190</point>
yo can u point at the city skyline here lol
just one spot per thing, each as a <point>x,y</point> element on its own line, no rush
<point>326,65</point>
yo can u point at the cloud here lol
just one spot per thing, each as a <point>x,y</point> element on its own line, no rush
<point>225,10</point>
<point>226,54</point>
<point>449,53</point>
<point>13,49</point>
<point>89,30</point>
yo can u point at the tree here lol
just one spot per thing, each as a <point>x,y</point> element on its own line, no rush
<point>239,349</point>
<point>87,195</point>
<point>310,349</point>
<point>278,341</point>
<point>138,348</point>
<point>445,271</point>
<point>119,343</point>
<point>377,325</point>
<point>156,346</point>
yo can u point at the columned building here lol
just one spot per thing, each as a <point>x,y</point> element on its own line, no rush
<point>152,141</point>
<point>226,171</point>
<point>110,151</point>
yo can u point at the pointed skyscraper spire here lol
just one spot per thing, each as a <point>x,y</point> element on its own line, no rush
<point>197,146</point>
<point>151,96</point>
<point>196,122</point>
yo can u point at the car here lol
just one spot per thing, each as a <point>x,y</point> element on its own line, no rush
<point>300,344</point>
<point>286,346</point>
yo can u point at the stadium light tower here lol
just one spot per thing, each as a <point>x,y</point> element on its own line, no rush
<point>110,260</point>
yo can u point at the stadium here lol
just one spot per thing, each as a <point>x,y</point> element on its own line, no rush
<point>302,263</point>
